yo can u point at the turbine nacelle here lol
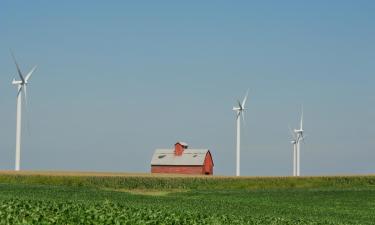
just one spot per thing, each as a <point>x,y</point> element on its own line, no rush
<point>239,109</point>
<point>298,131</point>
<point>17,82</point>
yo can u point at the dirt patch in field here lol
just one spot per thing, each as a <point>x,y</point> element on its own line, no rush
<point>147,191</point>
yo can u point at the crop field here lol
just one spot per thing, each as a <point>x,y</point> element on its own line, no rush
<point>57,198</point>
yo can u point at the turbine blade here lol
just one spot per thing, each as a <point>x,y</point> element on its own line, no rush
<point>24,87</point>
<point>245,99</point>
<point>25,93</point>
<point>300,137</point>
<point>239,104</point>
<point>18,68</point>
<point>292,133</point>
<point>19,90</point>
<point>238,114</point>
<point>301,122</point>
<point>29,74</point>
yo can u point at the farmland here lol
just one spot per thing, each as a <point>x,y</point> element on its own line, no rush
<point>58,198</point>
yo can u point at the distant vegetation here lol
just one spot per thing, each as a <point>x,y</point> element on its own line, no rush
<point>89,199</point>
<point>190,182</point>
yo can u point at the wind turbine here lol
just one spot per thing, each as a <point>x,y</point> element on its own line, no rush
<point>239,111</point>
<point>21,87</point>
<point>299,137</point>
<point>294,143</point>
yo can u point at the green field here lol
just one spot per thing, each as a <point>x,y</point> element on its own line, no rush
<point>135,199</point>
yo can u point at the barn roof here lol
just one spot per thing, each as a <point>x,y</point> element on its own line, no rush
<point>190,157</point>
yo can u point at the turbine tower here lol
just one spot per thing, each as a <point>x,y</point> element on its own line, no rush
<point>239,111</point>
<point>299,137</point>
<point>21,87</point>
<point>294,143</point>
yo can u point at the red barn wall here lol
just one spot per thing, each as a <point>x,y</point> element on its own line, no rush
<point>178,169</point>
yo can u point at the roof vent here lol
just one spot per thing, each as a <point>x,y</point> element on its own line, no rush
<point>183,144</point>
<point>179,148</point>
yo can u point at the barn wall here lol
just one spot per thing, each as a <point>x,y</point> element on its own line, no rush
<point>178,169</point>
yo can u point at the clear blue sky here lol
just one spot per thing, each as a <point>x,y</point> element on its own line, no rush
<point>117,79</point>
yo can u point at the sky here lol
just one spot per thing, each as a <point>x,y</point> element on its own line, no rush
<point>118,79</point>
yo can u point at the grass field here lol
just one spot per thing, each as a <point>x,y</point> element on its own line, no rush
<point>87,198</point>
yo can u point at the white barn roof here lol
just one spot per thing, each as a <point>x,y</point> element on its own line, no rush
<point>190,157</point>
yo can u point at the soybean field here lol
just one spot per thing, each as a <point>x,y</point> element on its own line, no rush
<point>41,198</point>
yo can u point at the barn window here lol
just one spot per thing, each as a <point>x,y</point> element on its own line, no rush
<point>161,156</point>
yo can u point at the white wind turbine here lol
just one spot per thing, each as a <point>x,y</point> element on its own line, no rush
<point>294,143</point>
<point>239,111</point>
<point>299,137</point>
<point>21,87</point>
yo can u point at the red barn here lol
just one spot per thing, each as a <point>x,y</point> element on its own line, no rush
<point>182,160</point>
